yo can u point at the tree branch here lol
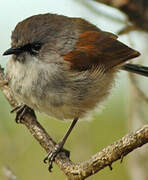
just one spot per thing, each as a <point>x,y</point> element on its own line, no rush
<point>136,10</point>
<point>97,162</point>
<point>8,173</point>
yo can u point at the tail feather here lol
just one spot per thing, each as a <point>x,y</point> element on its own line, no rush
<point>136,68</point>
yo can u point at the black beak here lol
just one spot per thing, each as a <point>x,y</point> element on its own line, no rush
<point>13,50</point>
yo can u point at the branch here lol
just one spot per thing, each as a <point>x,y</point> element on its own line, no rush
<point>97,162</point>
<point>8,173</point>
<point>136,10</point>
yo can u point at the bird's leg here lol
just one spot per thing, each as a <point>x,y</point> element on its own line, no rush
<point>21,110</point>
<point>59,147</point>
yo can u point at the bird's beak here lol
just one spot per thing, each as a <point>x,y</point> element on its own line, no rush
<point>12,50</point>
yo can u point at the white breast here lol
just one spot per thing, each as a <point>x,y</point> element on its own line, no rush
<point>53,89</point>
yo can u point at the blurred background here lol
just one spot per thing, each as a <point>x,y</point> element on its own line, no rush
<point>18,149</point>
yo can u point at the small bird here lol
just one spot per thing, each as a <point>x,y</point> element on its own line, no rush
<point>64,67</point>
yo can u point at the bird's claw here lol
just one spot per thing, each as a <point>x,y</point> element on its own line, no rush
<point>21,110</point>
<point>52,155</point>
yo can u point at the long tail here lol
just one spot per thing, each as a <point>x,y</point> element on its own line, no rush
<point>136,68</point>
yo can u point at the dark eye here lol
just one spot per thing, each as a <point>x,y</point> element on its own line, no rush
<point>34,49</point>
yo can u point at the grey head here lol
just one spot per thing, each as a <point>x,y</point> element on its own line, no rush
<point>41,33</point>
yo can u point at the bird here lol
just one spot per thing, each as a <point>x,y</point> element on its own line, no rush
<point>64,67</point>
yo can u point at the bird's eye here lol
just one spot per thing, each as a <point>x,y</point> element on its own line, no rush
<point>35,48</point>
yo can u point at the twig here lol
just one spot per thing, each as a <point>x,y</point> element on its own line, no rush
<point>136,10</point>
<point>99,12</point>
<point>97,162</point>
<point>8,173</point>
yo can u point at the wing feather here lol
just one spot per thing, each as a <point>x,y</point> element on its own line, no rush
<point>99,47</point>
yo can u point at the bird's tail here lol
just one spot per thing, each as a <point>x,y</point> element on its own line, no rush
<point>136,68</point>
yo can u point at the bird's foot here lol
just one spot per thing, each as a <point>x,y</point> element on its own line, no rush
<point>21,110</point>
<point>52,155</point>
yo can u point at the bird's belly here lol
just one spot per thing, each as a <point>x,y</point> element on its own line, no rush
<point>64,105</point>
<point>60,107</point>
<point>59,94</point>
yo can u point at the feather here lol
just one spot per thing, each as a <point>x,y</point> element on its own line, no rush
<point>99,47</point>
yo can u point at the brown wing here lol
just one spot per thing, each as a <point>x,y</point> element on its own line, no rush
<point>99,47</point>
